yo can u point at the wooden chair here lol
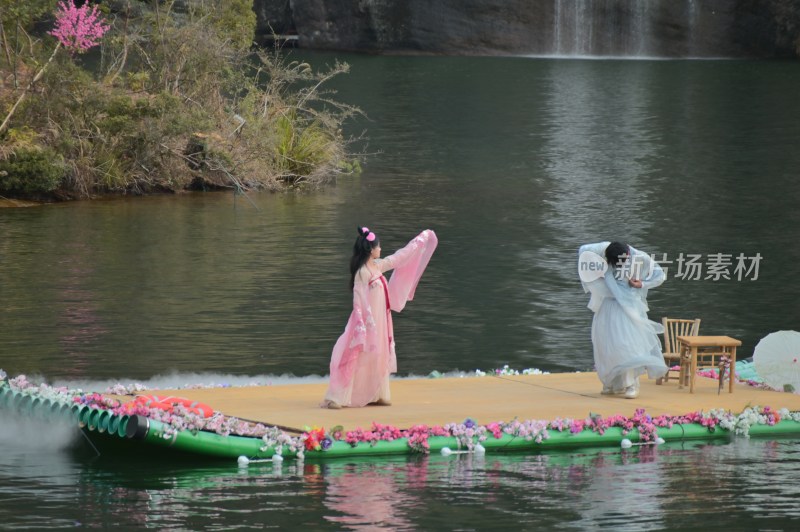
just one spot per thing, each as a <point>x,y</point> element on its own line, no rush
<point>672,329</point>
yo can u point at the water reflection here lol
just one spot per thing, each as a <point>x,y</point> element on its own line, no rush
<point>80,319</point>
<point>647,488</point>
<point>364,498</point>
<point>673,486</point>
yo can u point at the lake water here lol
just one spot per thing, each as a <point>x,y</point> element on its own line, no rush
<point>514,162</point>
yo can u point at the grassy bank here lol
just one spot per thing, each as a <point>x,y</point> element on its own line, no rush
<point>173,97</point>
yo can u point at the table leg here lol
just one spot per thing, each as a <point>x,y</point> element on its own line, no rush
<point>692,369</point>
<point>682,372</point>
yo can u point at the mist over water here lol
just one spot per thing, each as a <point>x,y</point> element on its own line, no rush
<point>37,436</point>
<point>176,379</point>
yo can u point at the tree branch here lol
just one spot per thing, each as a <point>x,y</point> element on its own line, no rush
<point>36,78</point>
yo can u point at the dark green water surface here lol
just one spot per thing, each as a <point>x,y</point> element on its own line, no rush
<point>514,162</point>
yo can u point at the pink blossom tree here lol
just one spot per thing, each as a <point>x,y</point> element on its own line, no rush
<point>77,29</point>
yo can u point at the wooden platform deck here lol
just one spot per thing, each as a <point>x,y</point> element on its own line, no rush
<point>484,399</point>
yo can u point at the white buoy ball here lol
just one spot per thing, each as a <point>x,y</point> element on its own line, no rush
<point>446,451</point>
<point>480,449</point>
<point>659,440</point>
<point>276,458</point>
<point>626,443</point>
<point>243,460</point>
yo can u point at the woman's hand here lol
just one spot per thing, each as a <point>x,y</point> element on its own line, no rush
<point>636,283</point>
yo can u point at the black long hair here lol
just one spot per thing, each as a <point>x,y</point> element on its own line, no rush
<point>362,249</point>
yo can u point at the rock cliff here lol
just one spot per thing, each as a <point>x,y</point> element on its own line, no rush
<point>655,28</point>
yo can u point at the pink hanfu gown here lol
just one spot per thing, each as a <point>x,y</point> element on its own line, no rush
<point>364,356</point>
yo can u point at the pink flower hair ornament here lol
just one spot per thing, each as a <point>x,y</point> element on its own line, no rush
<point>369,235</point>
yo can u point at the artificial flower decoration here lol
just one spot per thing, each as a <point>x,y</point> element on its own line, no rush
<point>313,439</point>
<point>469,434</point>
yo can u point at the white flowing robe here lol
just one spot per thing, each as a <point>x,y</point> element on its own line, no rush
<point>625,341</point>
<point>364,356</point>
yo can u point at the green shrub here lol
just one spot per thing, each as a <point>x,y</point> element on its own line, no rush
<point>236,20</point>
<point>31,171</point>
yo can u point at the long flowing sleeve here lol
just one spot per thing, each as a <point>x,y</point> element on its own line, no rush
<point>652,274</point>
<point>598,288</point>
<point>409,264</point>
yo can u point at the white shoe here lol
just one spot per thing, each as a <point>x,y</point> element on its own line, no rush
<point>610,391</point>
<point>631,392</point>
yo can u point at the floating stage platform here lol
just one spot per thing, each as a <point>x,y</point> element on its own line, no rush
<point>530,413</point>
<point>483,399</point>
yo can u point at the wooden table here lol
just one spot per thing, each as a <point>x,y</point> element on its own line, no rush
<point>706,351</point>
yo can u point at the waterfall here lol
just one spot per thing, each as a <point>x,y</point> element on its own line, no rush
<point>641,29</point>
<point>692,16</point>
<point>620,28</point>
<point>573,27</point>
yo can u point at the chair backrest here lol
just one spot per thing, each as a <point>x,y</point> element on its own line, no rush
<point>674,328</point>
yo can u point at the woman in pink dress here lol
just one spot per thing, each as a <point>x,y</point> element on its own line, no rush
<point>364,356</point>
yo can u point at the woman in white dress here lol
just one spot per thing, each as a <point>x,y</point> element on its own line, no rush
<point>625,341</point>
